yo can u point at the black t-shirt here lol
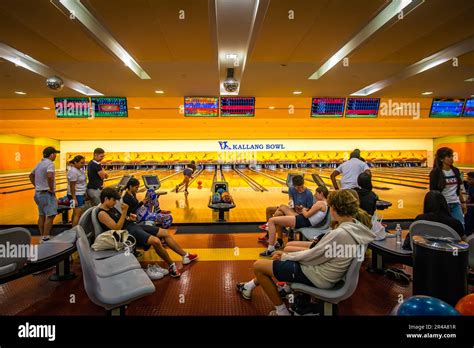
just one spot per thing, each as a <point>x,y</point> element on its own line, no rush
<point>95,181</point>
<point>368,200</point>
<point>447,220</point>
<point>133,203</point>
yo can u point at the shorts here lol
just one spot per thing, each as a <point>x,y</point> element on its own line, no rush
<point>81,200</point>
<point>47,203</point>
<point>141,232</point>
<point>290,271</point>
<point>188,172</point>
<point>302,221</point>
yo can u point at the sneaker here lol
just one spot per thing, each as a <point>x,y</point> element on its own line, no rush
<point>246,294</point>
<point>274,313</point>
<point>311,309</point>
<point>188,258</point>
<point>44,239</point>
<point>174,272</point>
<point>264,227</point>
<point>160,269</point>
<point>263,239</point>
<point>267,253</point>
<point>279,244</point>
<point>153,273</point>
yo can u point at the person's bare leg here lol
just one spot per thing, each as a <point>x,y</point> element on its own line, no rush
<point>186,183</point>
<point>263,270</point>
<point>292,249</point>
<point>300,244</point>
<point>270,212</point>
<point>76,214</point>
<point>41,220</point>
<point>287,211</point>
<point>162,233</point>
<point>278,221</point>
<point>160,250</point>
<point>48,225</point>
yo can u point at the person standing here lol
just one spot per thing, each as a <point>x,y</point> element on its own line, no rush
<point>96,175</point>
<point>350,171</point>
<point>43,179</point>
<point>76,187</point>
<point>446,178</point>
<point>188,174</point>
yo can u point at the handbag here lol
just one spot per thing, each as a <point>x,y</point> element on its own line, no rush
<point>114,240</point>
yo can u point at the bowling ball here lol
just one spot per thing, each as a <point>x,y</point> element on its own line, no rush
<point>199,183</point>
<point>226,199</point>
<point>425,306</point>
<point>465,306</point>
<point>216,198</point>
<point>220,190</point>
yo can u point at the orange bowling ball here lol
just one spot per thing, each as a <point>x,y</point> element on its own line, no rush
<point>199,183</point>
<point>465,306</point>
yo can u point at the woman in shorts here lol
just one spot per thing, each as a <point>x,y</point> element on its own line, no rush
<point>188,174</point>
<point>76,187</point>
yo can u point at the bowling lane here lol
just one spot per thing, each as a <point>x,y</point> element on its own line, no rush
<point>191,207</point>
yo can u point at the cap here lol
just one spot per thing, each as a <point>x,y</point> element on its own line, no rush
<point>49,151</point>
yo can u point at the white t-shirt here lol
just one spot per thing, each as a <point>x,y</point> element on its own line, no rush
<point>449,192</point>
<point>350,171</point>
<point>79,177</point>
<point>41,174</point>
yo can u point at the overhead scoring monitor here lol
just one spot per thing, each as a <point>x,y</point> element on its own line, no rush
<point>362,107</point>
<point>201,106</point>
<point>237,106</point>
<point>327,107</point>
<point>446,107</point>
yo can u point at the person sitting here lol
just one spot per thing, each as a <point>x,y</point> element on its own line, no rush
<point>308,218</point>
<point>320,266</point>
<point>350,171</point>
<point>367,198</point>
<point>112,219</point>
<point>299,197</point>
<point>436,209</point>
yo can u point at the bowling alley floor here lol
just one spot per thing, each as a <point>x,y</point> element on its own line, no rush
<point>206,287</point>
<point>403,187</point>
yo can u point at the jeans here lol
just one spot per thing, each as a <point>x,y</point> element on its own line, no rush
<point>456,212</point>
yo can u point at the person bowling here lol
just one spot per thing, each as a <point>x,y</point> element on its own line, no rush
<point>188,174</point>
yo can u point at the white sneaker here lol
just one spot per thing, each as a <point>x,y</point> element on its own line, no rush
<point>153,273</point>
<point>160,269</point>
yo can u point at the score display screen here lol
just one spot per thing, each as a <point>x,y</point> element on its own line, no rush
<point>469,108</point>
<point>237,106</point>
<point>444,107</point>
<point>327,107</point>
<point>110,106</point>
<point>362,107</point>
<point>201,106</point>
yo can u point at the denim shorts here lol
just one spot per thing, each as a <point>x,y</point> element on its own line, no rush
<point>47,203</point>
<point>81,200</point>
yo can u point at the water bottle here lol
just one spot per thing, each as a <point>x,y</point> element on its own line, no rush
<point>398,234</point>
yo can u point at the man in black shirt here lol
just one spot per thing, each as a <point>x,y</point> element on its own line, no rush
<point>96,175</point>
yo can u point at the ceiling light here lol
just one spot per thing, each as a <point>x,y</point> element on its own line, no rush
<point>469,80</point>
<point>231,56</point>
<point>297,92</point>
<point>136,107</point>
<point>20,92</point>
<point>46,108</point>
<point>427,93</point>
<point>83,15</point>
<point>20,59</point>
<point>271,107</point>
<point>387,14</point>
<point>159,92</point>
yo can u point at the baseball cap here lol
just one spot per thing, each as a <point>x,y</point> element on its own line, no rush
<point>49,151</point>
